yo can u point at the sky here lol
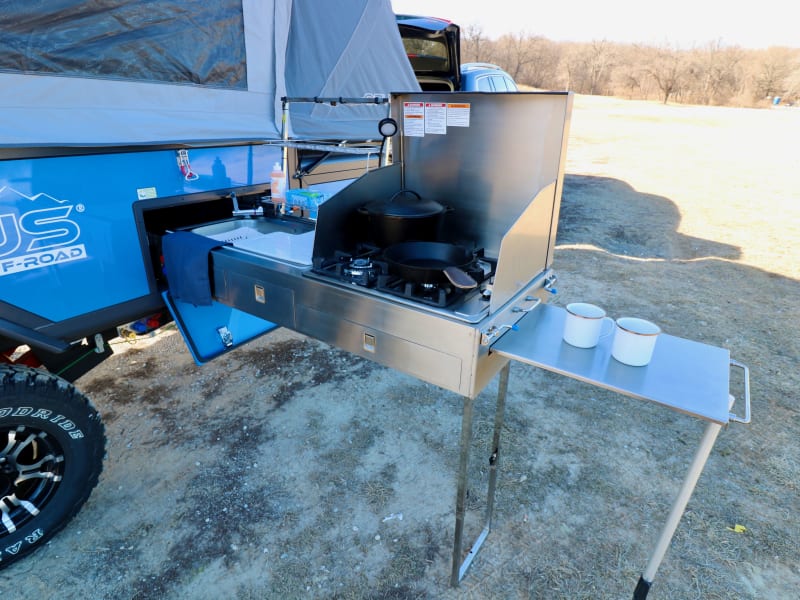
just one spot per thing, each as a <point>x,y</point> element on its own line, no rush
<point>682,23</point>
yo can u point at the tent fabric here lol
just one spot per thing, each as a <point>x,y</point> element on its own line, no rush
<point>364,47</point>
<point>115,39</point>
<point>126,72</point>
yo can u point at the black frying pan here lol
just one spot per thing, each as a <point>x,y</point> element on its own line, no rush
<point>431,262</point>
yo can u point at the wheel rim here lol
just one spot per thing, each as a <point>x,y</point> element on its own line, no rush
<point>31,470</point>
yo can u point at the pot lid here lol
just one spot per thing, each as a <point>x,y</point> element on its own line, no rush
<point>405,203</point>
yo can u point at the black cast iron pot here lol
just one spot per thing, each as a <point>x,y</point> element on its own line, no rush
<point>404,217</point>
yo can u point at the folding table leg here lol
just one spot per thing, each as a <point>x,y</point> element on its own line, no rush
<point>461,492</point>
<point>677,510</point>
<point>460,568</point>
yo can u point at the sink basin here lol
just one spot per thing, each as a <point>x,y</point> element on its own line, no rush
<point>278,239</point>
<point>240,229</point>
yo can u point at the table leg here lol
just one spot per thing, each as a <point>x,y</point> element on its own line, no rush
<point>494,458</point>
<point>677,510</point>
<point>461,492</point>
<point>459,568</point>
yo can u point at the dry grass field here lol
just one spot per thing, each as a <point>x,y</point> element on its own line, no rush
<point>288,469</point>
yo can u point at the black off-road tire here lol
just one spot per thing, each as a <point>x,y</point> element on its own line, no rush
<point>52,444</point>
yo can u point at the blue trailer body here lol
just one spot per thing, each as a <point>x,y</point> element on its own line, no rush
<point>122,122</point>
<point>67,223</point>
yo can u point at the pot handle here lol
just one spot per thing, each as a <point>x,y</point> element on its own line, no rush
<point>396,194</point>
<point>746,418</point>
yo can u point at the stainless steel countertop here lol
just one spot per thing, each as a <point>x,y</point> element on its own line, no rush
<point>684,375</point>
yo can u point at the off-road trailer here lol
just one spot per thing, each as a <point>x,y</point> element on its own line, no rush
<point>118,125</point>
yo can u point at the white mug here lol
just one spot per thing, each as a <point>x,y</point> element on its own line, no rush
<point>583,324</point>
<point>634,341</point>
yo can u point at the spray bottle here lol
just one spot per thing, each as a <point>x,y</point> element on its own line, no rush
<point>278,186</point>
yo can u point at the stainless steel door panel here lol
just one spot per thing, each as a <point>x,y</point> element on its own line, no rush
<point>433,366</point>
<point>258,297</point>
<point>451,337</point>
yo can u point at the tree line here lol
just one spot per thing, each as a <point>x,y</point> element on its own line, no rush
<point>713,74</point>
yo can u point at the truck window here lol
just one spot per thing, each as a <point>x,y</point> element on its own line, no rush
<point>484,84</point>
<point>426,55</point>
<point>499,83</point>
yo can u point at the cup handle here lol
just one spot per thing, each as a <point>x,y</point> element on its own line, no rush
<point>603,326</point>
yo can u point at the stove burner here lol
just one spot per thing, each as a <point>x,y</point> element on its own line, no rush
<point>360,271</point>
<point>365,267</point>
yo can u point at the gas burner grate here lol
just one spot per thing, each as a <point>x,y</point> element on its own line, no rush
<point>365,267</point>
<point>440,295</point>
<point>361,267</point>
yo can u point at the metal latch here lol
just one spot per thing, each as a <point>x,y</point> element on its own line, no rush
<point>226,336</point>
<point>488,336</point>
<point>370,342</point>
<point>493,332</point>
<point>549,282</point>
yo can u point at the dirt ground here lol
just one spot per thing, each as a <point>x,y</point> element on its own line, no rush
<point>289,469</point>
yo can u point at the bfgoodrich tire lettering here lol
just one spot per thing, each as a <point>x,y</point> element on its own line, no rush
<point>51,453</point>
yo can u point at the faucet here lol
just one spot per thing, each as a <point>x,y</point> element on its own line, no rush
<point>245,212</point>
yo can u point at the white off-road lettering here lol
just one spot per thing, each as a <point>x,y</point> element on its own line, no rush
<point>67,425</point>
<point>15,548</point>
<point>44,414</point>
<point>35,536</point>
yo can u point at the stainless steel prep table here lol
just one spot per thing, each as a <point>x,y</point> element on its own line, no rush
<point>683,375</point>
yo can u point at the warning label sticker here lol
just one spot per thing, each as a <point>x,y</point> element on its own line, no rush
<point>421,118</point>
<point>414,119</point>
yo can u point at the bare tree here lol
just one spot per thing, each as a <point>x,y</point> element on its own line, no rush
<point>792,83</point>
<point>590,66</point>
<point>515,53</point>
<point>667,66</point>
<point>602,55</point>
<point>629,77</point>
<point>542,71</point>
<point>776,65</point>
<point>714,73</point>
<point>475,46</point>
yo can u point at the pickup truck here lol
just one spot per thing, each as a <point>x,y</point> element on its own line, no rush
<point>433,46</point>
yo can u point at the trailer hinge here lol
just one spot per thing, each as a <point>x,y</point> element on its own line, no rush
<point>226,336</point>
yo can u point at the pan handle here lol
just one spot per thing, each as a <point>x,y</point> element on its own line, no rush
<point>459,278</point>
<point>746,418</point>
